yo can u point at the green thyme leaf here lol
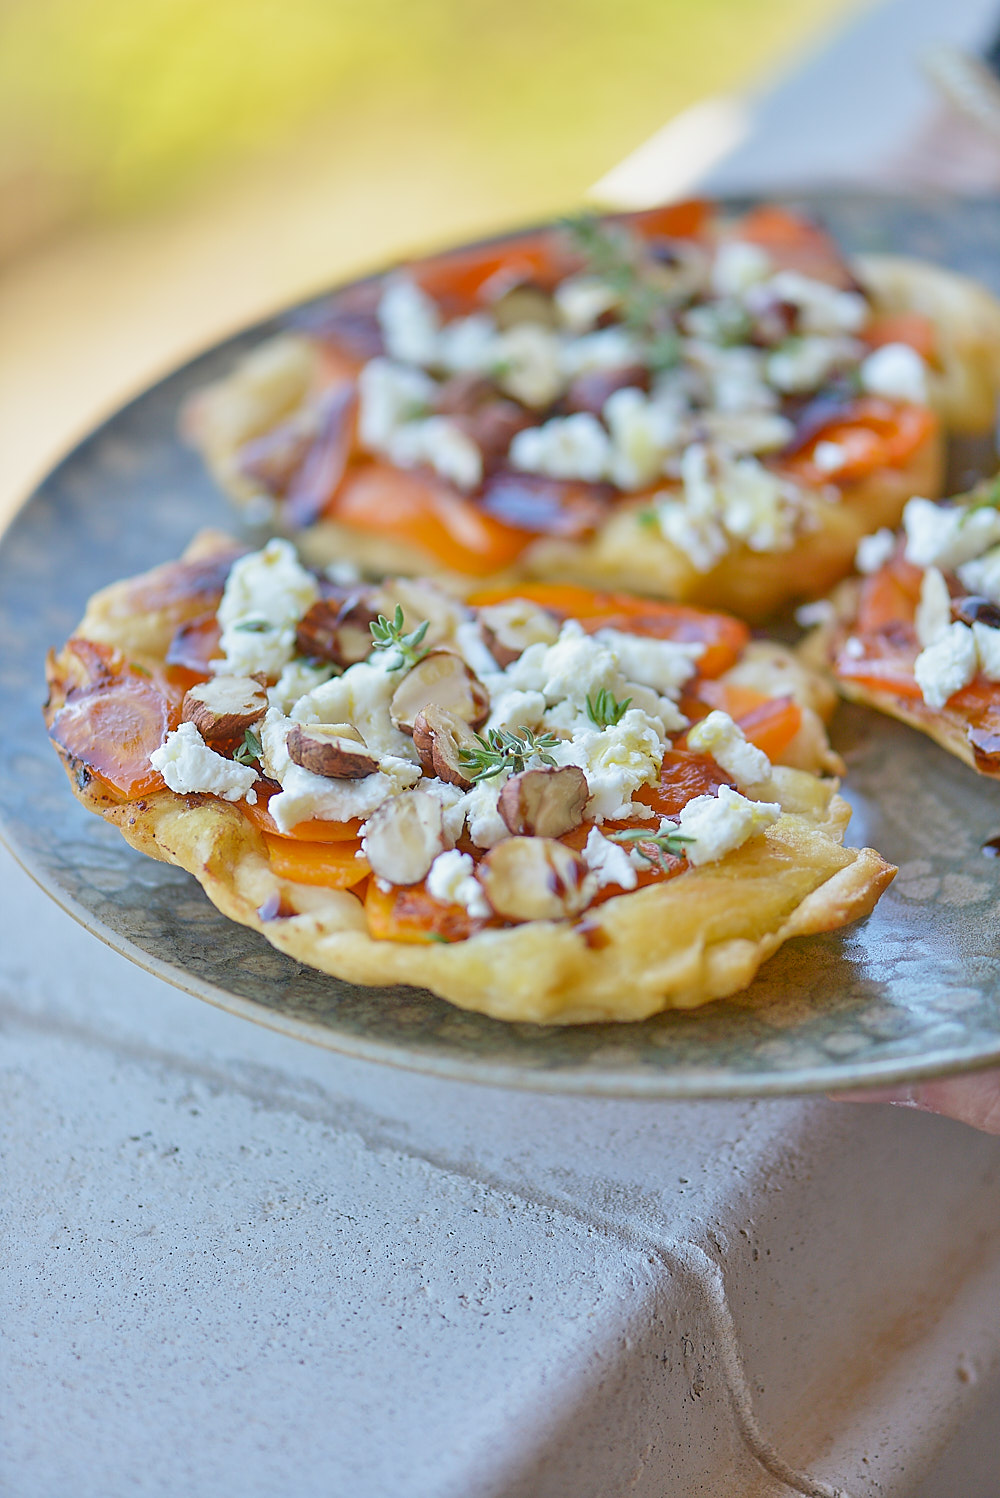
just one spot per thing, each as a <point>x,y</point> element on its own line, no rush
<point>504,749</point>
<point>387,634</point>
<point>250,749</point>
<point>605,710</point>
<point>654,847</point>
<point>648,519</point>
<point>983,497</point>
<point>253,626</point>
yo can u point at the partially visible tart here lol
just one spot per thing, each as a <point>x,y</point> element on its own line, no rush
<point>694,407</point>
<point>917,635</point>
<point>544,803</point>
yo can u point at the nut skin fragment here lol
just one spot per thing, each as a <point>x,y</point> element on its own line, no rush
<point>443,679</point>
<point>439,738</point>
<point>534,879</point>
<point>403,837</point>
<point>337,630</point>
<point>223,708</point>
<point>544,803</point>
<point>335,750</point>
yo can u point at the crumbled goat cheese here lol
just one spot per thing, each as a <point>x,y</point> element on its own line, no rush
<point>820,611</point>
<point>581,300</point>
<point>718,736</point>
<point>452,879</point>
<point>616,761</point>
<point>441,444</point>
<point>738,265</point>
<point>896,371</point>
<point>515,709</point>
<point>296,680</point>
<point>390,395</point>
<point>567,447</point>
<point>304,795</point>
<point>874,551</point>
<point>410,322</point>
<point>829,456</point>
<point>717,825</point>
<point>468,345</point>
<point>748,431</point>
<point>988,650</point>
<point>803,364</point>
<point>643,432</point>
<point>360,696</point>
<point>608,862</point>
<point>945,536</point>
<point>472,647</point>
<point>982,575</point>
<point>189,766</point>
<point>933,616</point>
<point>265,596</point>
<point>724,501</point>
<point>664,665</point>
<point>485,825</point>
<point>734,377</point>
<point>528,358</point>
<point>608,348</point>
<point>946,666</point>
<point>822,308</point>
<point>451,799</point>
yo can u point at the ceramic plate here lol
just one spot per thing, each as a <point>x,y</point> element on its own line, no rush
<point>912,991</point>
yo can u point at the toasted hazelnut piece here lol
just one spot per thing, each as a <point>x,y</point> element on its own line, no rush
<point>337,630</point>
<point>524,301</point>
<point>439,738</point>
<point>223,708</point>
<point>444,679</point>
<point>335,750</point>
<point>404,836</point>
<point>544,803</point>
<point>534,879</point>
<point>511,627</point>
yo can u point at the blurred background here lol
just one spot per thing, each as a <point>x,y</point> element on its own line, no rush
<point>170,169</point>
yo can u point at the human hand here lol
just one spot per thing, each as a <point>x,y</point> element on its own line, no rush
<point>971,1099</point>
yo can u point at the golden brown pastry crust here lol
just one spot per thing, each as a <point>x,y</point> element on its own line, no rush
<point>699,936</point>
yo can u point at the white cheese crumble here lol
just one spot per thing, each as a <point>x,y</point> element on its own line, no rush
<point>664,665</point>
<point>360,696</point>
<point>567,447</point>
<point>896,371</point>
<point>874,551</point>
<point>822,308</point>
<point>441,444</point>
<point>266,594</point>
<point>479,807</point>
<point>719,736</point>
<point>608,862</point>
<point>945,667</point>
<point>581,300</point>
<point>304,795</point>
<point>717,825</point>
<point>452,879</point>
<point>189,766</point>
<point>829,456</point>
<point>933,616</point>
<point>409,320</point>
<point>988,650</point>
<point>803,364</point>
<point>608,348</point>
<point>528,358</point>
<point>516,709</point>
<point>389,395</point>
<point>725,501</point>
<point>616,761</point>
<point>296,680</point>
<point>738,265</point>
<point>945,536</point>
<point>643,432</point>
<point>982,574</point>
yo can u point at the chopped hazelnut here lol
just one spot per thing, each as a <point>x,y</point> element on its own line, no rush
<point>544,803</point>
<point>534,879</point>
<point>223,708</point>
<point>335,750</point>
<point>443,679</point>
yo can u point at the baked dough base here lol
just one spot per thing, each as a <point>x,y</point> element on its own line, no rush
<point>699,936</point>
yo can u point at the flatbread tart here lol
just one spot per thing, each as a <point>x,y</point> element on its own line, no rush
<point>544,803</point>
<point>696,407</point>
<point>917,634</point>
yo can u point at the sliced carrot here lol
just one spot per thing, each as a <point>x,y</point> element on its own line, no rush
<point>410,914</point>
<point>456,279</point>
<point>911,328</point>
<point>875,433</point>
<point>889,596</point>
<point>888,670</point>
<point>683,776</point>
<point>684,220</point>
<point>795,243</point>
<point>333,865</point>
<point>417,509</point>
<point>723,637</point>
<point>770,723</point>
<point>314,831</point>
<point>113,728</point>
<point>195,643</point>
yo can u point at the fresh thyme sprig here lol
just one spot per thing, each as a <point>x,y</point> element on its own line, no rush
<point>504,749</point>
<point>250,749</point>
<point>987,499</point>
<point>254,626</point>
<point>654,847</point>
<point>604,710</point>
<point>387,634</point>
<point>617,257</point>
